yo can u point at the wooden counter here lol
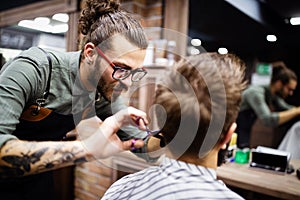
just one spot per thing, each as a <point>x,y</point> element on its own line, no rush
<point>285,186</point>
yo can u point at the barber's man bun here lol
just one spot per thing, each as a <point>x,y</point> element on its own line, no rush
<point>93,10</point>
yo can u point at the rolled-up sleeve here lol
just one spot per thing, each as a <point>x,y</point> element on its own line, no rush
<point>20,79</point>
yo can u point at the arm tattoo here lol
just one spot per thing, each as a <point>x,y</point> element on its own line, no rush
<point>40,159</point>
<point>21,164</point>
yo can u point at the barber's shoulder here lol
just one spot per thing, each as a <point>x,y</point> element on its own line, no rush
<point>254,89</point>
<point>34,54</point>
<point>31,50</point>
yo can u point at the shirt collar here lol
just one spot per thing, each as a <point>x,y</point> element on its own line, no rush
<point>191,168</point>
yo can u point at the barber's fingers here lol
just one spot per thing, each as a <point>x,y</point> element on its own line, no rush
<point>128,116</point>
<point>141,123</point>
<point>132,144</point>
<point>71,134</point>
<point>137,114</point>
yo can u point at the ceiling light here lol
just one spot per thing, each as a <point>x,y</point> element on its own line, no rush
<point>196,42</point>
<point>222,50</point>
<point>62,17</point>
<point>295,20</point>
<point>193,51</point>
<point>62,28</point>
<point>32,24</point>
<point>271,38</point>
<point>42,21</point>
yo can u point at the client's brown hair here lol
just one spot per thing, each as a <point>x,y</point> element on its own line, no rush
<point>194,94</point>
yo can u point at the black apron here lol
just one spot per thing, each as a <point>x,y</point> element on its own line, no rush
<point>39,186</point>
<point>53,127</point>
<point>245,121</point>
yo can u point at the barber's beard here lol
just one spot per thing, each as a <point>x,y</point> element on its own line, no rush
<point>110,91</point>
<point>280,93</point>
<point>102,86</point>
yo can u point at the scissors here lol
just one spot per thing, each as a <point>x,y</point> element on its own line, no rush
<point>154,133</point>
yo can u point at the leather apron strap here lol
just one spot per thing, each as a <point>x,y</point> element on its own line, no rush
<point>37,124</point>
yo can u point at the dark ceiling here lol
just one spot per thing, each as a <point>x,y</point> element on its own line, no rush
<point>8,4</point>
<point>242,25</point>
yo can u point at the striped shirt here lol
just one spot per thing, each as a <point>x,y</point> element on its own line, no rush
<point>172,179</point>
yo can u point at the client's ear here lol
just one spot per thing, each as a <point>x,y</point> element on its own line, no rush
<point>228,135</point>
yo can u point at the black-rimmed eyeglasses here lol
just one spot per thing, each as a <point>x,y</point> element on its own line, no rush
<point>120,73</point>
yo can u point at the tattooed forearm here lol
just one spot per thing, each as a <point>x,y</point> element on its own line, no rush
<point>24,161</point>
<point>20,158</point>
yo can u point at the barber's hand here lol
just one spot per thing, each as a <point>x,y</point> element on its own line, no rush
<point>104,142</point>
<point>298,110</point>
<point>85,128</point>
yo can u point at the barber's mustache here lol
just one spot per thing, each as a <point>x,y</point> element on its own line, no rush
<point>121,86</point>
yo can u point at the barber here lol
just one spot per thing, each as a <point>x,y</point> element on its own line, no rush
<point>45,94</point>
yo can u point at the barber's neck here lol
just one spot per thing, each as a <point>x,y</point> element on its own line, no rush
<point>273,89</point>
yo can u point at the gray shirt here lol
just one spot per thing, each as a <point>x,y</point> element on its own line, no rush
<point>257,98</point>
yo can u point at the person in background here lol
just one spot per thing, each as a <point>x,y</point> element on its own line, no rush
<point>267,103</point>
<point>44,94</point>
<point>200,101</point>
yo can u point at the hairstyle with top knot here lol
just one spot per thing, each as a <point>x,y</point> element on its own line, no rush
<point>282,73</point>
<point>101,19</point>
